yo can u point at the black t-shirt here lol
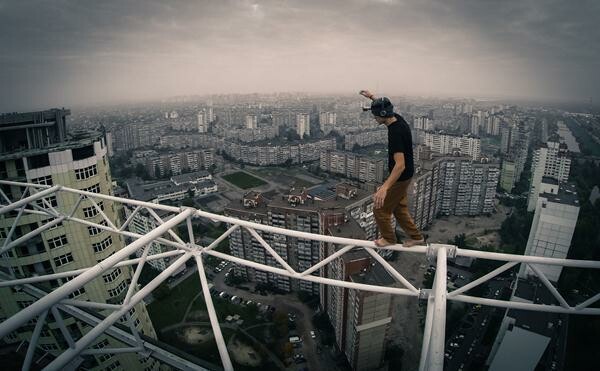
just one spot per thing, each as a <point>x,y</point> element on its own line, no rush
<point>400,140</point>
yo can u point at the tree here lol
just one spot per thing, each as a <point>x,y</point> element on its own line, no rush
<point>162,291</point>
<point>140,171</point>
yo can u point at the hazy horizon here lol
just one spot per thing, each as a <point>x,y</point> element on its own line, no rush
<point>66,53</point>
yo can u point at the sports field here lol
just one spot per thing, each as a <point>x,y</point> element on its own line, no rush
<point>243,180</point>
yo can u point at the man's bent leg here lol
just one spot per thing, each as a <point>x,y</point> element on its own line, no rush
<point>383,215</point>
<point>402,215</point>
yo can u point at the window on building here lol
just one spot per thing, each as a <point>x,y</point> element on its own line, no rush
<point>94,189</point>
<point>102,344</point>
<point>57,242</point>
<point>49,347</point>
<point>77,292</point>
<point>83,152</point>
<point>102,245</point>
<point>117,290</point>
<point>49,200</point>
<point>44,180</point>
<point>113,366</point>
<point>24,303</point>
<point>90,212</point>
<point>38,161</point>
<point>108,278</point>
<point>104,358</point>
<point>86,172</point>
<point>44,222</point>
<point>63,259</point>
<point>92,231</point>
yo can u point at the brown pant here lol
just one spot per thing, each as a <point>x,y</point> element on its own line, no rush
<point>396,203</point>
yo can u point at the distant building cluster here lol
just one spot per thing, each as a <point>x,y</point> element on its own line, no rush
<point>191,141</point>
<point>327,121</point>
<point>254,134</point>
<point>446,144</point>
<point>278,154</point>
<point>163,164</point>
<point>365,138</point>
<point>486,123</point>
<point>353,166</point>
<point>198,183</point>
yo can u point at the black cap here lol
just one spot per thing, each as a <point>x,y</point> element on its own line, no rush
<point>382,107</point>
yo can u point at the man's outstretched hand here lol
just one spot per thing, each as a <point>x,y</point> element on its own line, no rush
<point>366,94</point>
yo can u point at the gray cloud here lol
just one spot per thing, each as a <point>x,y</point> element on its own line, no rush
<point>71,52</point>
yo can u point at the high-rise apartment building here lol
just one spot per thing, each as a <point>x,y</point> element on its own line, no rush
<point>422,123</point>
<point>552,160</point>
<point>35,147</point>
<point>360,319</point>
<point>327,121</point>
<point>311,211</point>
<point>303,124</point>
<point>452,185</point>
<point>353,166</point>
<point>556,212</point>
<point>508,175</point>
<point>446,144</point>
<point>530,340</point>
<point>202,122</point>
<point>251,122</point>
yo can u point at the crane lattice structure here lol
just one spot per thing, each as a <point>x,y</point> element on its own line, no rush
<point>34,200</point>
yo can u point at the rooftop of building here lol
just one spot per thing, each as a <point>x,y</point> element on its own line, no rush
<point>375,275</point>
<point>37,117</point>
<point>190,177</point>
<point>147,191</point>
<point>74,140</point>
<point>349,229</point>
<point>567,195</point>
<point>549,180</point>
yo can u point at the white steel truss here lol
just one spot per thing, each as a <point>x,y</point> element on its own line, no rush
<point>432,354</point>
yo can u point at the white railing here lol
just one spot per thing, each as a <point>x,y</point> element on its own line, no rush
<point>432,354</point>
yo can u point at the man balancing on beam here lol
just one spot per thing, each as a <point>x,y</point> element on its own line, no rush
<point>392,197</point>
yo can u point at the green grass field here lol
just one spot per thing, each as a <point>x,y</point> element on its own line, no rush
<point>243,180</point>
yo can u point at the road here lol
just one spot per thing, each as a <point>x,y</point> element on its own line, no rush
<point>473,327</point>
<point>285,304</point>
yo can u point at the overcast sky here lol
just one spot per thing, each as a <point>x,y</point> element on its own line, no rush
<point>65,53</point>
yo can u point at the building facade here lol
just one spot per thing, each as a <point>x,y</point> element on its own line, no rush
<point>446,144</point>
<point>36,148</point>
<point>551,160</point>
<point>553,225</point>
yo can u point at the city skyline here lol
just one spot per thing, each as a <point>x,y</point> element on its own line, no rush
<point>111,52</point>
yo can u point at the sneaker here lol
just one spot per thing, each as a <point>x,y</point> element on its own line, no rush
<point>411,243</point>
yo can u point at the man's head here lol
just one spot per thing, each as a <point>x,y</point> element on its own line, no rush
<point>382,109</point>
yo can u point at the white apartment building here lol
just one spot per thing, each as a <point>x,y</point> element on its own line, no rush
<point>303,124</point>
<point>552,161</point>
<point>556,213</point>
<point>446,144</point>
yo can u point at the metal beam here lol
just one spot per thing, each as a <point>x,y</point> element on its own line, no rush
<point>89,338</point>
<point>438,327</point>
<point>90,274</point>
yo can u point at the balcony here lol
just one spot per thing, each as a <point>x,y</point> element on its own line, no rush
<point>435,298</point>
